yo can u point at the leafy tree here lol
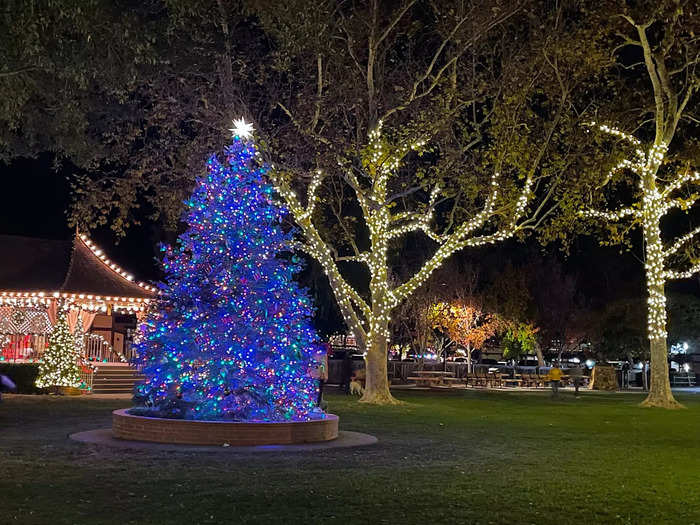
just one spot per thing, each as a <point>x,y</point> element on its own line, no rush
<point>423,118</point>
<point>414,320</point>
<point>684,320</point>
<point>134,94</point>
<point>466,323</point>
<point>389,109</point>
<point>653,177</point>
<point>540,299</point>
<point>412,325</point>
<point>519,339</point>
<point>618,331</point>
<point>561,313</point>
<point>67,71</point>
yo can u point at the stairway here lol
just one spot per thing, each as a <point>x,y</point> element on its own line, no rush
<point>115,378</point>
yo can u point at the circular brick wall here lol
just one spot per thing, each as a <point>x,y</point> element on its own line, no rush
<point>187,432</point>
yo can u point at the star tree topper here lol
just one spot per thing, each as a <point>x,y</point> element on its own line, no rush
<point>241,128</point>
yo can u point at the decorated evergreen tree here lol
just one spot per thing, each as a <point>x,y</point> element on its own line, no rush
<point>59,364</point>
<point>231,337</point>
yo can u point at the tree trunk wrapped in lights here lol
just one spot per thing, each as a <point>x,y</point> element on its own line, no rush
<point>386,141</point>
<point>662,185</point>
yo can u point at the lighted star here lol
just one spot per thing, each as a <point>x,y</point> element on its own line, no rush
<point>241,128</point>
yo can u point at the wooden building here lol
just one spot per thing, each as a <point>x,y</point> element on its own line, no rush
<point>40,276</point>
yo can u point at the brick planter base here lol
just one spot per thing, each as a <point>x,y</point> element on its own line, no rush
<point>187,432</point>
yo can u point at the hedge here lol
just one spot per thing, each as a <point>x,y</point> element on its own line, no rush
<point>23,374</point>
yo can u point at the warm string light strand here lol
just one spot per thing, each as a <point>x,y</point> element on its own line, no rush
<point>87,301</point>
<point>59,363</point>
<point>111,265</point>
<point>654,204</point>
<point>381,161</point>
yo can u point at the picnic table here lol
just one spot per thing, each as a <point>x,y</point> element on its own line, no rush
<point>432,378</point>
<point>517,379</point>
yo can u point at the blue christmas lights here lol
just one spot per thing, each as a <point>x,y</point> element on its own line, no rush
<point>231,337</point>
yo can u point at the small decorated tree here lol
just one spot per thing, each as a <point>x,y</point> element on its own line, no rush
<point>59,364</point>
<point>231,338</point>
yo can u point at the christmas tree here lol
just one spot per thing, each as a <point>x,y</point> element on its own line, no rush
<point>59,364</point>
<point>231,337</point>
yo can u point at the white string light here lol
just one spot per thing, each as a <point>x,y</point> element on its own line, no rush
<point>653,205</point>
<point>380,161</point>
<point>87,301</point>
<point>111,265</point>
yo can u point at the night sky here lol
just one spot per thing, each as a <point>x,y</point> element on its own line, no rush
<point>37,199</point>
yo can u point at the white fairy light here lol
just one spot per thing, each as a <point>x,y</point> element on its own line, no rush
<point>112,266</point>
<point>654,203</point>
<point>369,322</point>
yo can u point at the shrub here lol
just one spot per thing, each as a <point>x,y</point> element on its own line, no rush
<point>23,374</point>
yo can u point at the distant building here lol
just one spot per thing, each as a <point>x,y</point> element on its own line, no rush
<point>37,276</point>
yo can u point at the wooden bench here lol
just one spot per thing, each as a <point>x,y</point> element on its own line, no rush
<point>455,380</point>
<point>531,380</point>
<point>494,379</point>
<point>476,379</point>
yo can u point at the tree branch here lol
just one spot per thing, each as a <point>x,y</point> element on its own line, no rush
<point>4,74</point>
<point>612,216</point>
<point>685,178</point>
<point>319,250</point>
<point>673,274</point>
<point>436,56</point>
<point>680,242</point>
<point>660,116</point>
<point>319,92</point>
<point>396,20</point>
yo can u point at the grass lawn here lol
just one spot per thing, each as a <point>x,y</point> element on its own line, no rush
<point>467,457</point>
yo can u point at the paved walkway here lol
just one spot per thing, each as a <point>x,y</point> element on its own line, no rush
<point>103,436</point>
<point>686,389</point>
<point>633,390</point>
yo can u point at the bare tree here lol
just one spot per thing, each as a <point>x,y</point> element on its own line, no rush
<point>418,318</point>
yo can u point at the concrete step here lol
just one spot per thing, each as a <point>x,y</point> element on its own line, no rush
<point>110,366</point>
<point>126,374</point>
<point>118,378</point>
<point>116,382</point>
<point>116,371</point>
<point>117,374</point>
<point>115,379</point>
